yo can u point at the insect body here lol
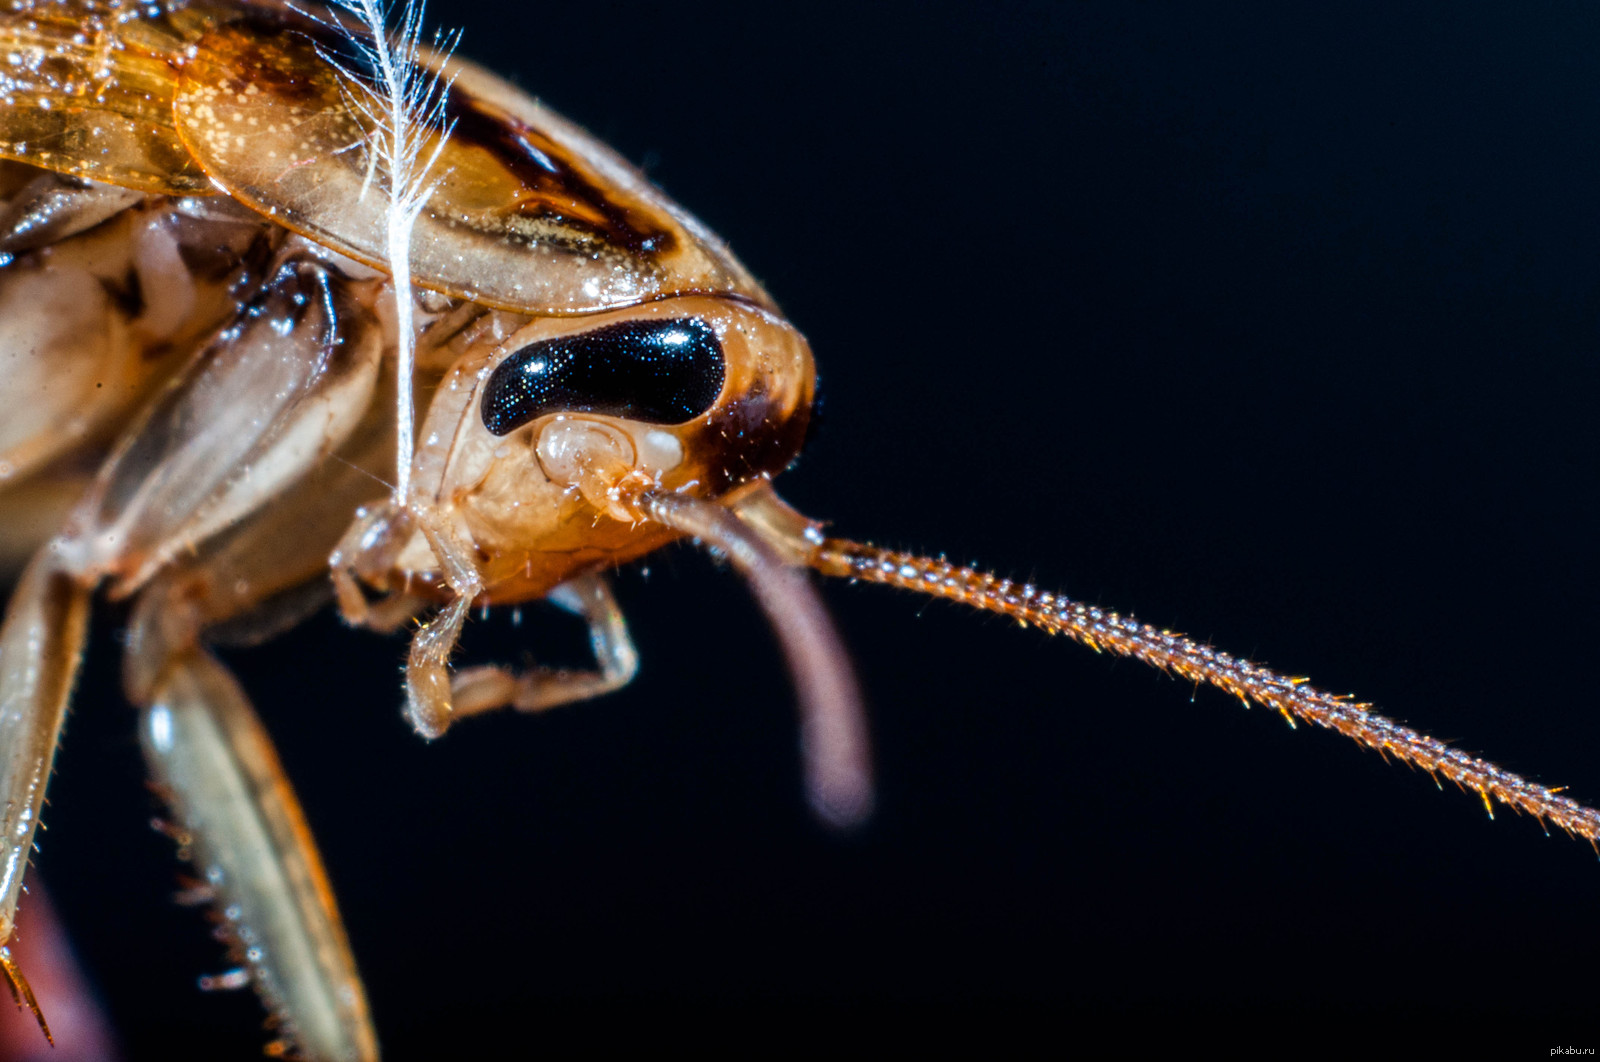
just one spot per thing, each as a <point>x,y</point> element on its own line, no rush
<point>376,311</point>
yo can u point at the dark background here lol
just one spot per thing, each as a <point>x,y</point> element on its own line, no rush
<point>1274,323</point>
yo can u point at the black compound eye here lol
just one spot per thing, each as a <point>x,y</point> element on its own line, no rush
<point>665,371</point>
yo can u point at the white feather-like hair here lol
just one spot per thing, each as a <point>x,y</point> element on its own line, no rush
<point>403,103</point>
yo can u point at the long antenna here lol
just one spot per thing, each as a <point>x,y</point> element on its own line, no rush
<point>1295,698</point>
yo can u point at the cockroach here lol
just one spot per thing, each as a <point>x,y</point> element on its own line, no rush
<point>1070,838</point>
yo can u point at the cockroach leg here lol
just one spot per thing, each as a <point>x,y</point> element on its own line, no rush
<point>40,646</point>
<point>482,689</point>
<point>393,611</point>
<point>214,760</point>
<point>179,519</point>
<point>429,706</point>
<point>233,806</point>
<point>79,1023</point>
<point>269,397</point>
<point>366,551</point>
<point>32,511</point>
<point>22,992</point>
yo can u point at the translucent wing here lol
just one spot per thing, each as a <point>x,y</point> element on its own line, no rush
<point>529,213</point>
<point>86,88</point>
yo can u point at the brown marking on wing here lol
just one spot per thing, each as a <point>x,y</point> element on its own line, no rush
<point>268,53</point>
<point>553,187</point>
<point>528,213</point>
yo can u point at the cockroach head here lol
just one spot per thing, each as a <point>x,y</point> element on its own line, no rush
<point>562,423</point>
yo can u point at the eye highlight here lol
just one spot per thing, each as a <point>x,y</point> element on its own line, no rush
<point>664,371</point>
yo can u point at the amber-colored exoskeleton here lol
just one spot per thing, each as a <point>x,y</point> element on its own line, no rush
<point>625,384</point>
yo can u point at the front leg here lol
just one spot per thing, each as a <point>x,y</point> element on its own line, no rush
<point>369,550</point>
<point>482,689</point>
<point>434,697</point>
<point>429,704</point>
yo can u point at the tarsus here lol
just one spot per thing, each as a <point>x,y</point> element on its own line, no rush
<point>21,992</point>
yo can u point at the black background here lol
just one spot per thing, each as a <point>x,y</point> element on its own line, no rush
<point>1273,323</point>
